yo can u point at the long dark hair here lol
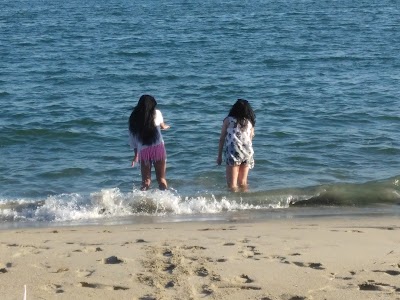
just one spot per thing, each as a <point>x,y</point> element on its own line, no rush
<point>243,113</point>
<point>141,121</point>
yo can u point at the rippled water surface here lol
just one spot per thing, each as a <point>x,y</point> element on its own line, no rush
<point>322,77</point>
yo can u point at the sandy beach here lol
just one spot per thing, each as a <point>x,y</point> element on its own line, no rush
<point>314,258</point>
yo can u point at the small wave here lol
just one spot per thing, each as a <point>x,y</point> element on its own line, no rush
<point>39,132</point>
<point>371,193</point>
<point>133,54</point>
<point>112,203</point>
<point>67,172</point>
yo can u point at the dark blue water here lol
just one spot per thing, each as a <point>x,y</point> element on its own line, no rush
<point>322,76</point>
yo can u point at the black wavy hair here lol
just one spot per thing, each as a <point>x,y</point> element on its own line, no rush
<point>141,120</point>
<point>243,113</point>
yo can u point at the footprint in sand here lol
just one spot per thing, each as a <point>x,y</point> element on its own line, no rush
<point>111,260</point>
<point>193,248</point>
<point>60,270</point>
<point>371,285</point>
<point>3,267</point>
<point>243,282</point>
<point>145,279</point>
<point>215,277</point>
<point>222,260</point>
<point>169,268</point>
<point>229,244</point>
<point>244,279</point>
<point>316,266</point>
<point>207,290</point>
<point>288,297</point>
<point>170,284</point>
<point>53,288</point>
<point>250,252</point>
<point>84,273</point>
<point>208,229</point>
<point>203,272</point>
<point>102,286</point>
<point>168,253</point>
<point>147,297</point>
<point>92,249</point>
<point>390,272</point>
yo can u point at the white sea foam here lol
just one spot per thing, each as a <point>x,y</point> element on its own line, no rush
<point>112,203</point>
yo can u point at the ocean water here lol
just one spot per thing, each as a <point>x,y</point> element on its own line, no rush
<point>322,76</point>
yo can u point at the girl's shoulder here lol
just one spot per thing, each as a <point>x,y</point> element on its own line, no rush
<point>230,119</point>
<point>234,122</point>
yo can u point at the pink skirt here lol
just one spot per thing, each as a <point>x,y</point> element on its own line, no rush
<point>153,153</point>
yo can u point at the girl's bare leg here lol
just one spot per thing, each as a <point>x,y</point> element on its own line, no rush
<point>232,177</point>
<point>145,168</point>
<point>242,177</point>
<point>161,170</point>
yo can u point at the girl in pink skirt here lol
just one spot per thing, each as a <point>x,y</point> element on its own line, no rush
<point>145,124</point>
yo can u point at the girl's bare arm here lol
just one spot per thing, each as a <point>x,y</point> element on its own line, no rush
<point>164,126</point>
<point>222,141</point>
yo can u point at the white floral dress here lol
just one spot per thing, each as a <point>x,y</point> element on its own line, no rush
<point>238,144</point>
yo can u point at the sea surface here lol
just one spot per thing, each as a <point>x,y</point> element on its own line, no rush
<point>322,76</point>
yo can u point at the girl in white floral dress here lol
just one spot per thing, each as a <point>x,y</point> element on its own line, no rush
<point>236,142</point>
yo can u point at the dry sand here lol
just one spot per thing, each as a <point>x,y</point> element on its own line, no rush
<point>318,258</point>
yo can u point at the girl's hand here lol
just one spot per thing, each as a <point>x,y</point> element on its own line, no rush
<point>219,161</point>
<point>134,160</point>
<point>164,126</point>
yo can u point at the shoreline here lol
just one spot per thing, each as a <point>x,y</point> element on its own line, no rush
<point>301,258</point>
<point>245,216</point>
